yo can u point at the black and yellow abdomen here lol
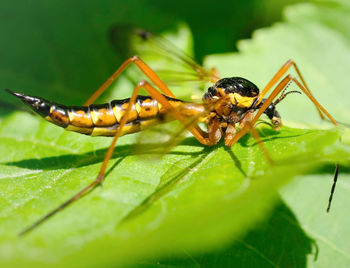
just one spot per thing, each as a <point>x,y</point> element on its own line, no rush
<point>104,119</point>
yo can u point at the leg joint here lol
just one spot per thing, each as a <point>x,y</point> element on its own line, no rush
<point>135,58</point>
<point>290,61</point>
<point>142,83</point>
<point>100,178</point>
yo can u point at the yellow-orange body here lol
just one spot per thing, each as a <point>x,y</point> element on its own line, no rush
<point>104,119</point>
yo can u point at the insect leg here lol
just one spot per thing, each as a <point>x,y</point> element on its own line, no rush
<point>279,75</point>
<point>216,75</point>
<point>196,131</point>
<point>247,121</point>
<point>312,98</point>
<point>333,186</point>
<point>143,67</point>
<point>260,143</point>
<point>100,177</point>
<point>283,83</point>
<point>270,99</point>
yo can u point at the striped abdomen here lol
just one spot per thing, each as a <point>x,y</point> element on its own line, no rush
<point>104,119</point>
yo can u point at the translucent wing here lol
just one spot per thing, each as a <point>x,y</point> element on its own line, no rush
<point>174,66</point>
<point>161,139</point>
<point>167,49</point>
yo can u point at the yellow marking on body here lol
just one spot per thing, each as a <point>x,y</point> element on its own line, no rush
<point>240,101</point>
<point>127,129</point>
<point>137,107</point>
<point>79,129</point>
<point>71,116</point>
<point>103,117</point>
<point>174,103</point>
<point>57,117</point>
<point>119,111</point>
<point>80,118</point>
<point>131,129</point>
<point>221,91</point>
<point>149,123</point>
<point>160,108</point>
<point>103,131</point>
<point>48,118</point>
<point>148,109</point>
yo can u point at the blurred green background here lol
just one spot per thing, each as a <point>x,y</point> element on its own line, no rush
<point>57,45</point>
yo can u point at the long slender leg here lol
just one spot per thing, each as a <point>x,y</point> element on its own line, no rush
<point>260,143</point>
<point>247,121</point>
<point>279,75</point>
<point>143,67</point>
<point>101,175</point>
<point>269,100</point>
<point>280,87</point>
<point>311,97</point>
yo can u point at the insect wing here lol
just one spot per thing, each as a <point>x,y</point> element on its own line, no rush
<point>161,139</point>
<point>174,66</point>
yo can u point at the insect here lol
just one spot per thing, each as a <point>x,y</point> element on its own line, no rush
<point>230,108</point>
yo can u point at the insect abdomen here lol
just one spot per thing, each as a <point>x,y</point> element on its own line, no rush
<point>104,119</point>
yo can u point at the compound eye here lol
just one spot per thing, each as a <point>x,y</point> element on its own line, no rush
<point>207,96</point>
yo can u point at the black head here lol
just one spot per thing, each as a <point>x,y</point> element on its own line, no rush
<point>39,105</point>
<point>239,85</point>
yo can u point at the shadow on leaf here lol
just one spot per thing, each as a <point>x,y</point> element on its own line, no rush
<point>168,181</point>
<point>68,161</point>
<point>277,242</point>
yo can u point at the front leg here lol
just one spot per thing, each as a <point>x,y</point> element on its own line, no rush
<point>214,130</point>
<point>246,123</point>
<point>230,133</point>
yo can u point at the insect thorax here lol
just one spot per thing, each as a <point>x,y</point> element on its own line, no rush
<point>231,98</point>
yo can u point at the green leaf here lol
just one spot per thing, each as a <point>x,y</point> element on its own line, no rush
<point>137,212</point>
<point>194,199</point>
